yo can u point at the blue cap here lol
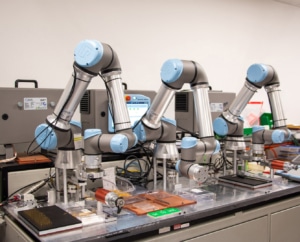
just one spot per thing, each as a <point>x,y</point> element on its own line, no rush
<point>45,137</point>
<point>139,130</point>
<point>257,73</point>
<point>177,166</point>
<point>241,118</point>
<point>278,136</point>
<point>88,53</point>
<point>169,120</point>
<point>76,123</point>
<point>257,128</point>
<point>220,126</point>
<point>188,142</point>
<point>218,147</point>
<point>89,133</point>
<point>135,139</point>
<point>171,70</point>
<point>119,143</point>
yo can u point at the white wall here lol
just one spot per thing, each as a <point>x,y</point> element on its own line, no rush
<point>224,36</point>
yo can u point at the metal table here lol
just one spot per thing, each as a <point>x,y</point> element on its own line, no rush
<point>228,199</point>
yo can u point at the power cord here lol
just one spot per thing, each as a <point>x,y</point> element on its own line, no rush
<point>135,169</point>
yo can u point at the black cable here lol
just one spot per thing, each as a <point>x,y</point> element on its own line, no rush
<point>193,134</point>
<point>139,177</point>
<point>221,162</point>
<point>38,146</point>
<point>148,158</point>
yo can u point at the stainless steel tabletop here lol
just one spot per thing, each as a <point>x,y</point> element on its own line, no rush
<point>228,198</point>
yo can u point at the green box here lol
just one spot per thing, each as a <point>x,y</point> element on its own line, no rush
<point>247,132</point>
<point>266,119</point>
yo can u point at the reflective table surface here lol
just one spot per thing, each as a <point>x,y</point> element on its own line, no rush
<point>226,199</point>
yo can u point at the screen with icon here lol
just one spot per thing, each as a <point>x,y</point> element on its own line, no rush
<point>137,106</point>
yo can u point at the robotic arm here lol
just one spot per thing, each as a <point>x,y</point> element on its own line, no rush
<point>174,74</point>
<point>177,73</point>
<point>107,64</point>
<point>230,123</point>
<point>92,58</point>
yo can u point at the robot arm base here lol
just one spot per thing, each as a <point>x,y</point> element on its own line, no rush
<point>192,171</point>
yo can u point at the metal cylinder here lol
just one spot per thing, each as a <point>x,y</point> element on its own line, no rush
<point>258,152</point>
<point>273,92</point>
<point>109,198</point>
<point>193,171</point>
<point>117,102</point>
<point>92,168</point>
<point>202,109</point>
<point>68,159</point>
<point>242,99</point>
<point>158,107</point>
<point>70,99</point>
<point>101,194</point>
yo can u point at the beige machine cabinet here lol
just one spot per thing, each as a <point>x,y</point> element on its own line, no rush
<point>13,233</point>
<point>254,230</point>
<point>285,225</point>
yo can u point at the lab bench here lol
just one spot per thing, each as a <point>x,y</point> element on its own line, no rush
<point>236,214</point>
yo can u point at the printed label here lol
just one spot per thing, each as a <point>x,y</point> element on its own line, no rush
<point>216,107</point>
<point>35,103</point>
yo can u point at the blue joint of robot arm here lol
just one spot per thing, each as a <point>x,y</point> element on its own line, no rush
<point>217,148</point>
<point>45,137</point>
<point>88,53</point>
<point>169,120</point>
<point>88,133</point>
<point>257,73</point>
<point>171,70</point>
<point>277,136</point>
<point>188,142</point>
<point>220,126</point>
<point>139,131</point>
<point>119,143</point>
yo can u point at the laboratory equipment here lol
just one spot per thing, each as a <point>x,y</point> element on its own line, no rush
<point>231,200</point>
<point>109,198</point>
<point>14,176</point>
<point>137,105</point>
<point>230,124</point>
<point>94,111</point>
<point>153,126</point>
<point>185,113</point>
<point>92,58</point>
<point>21,110</point>
<point>223,218</point>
